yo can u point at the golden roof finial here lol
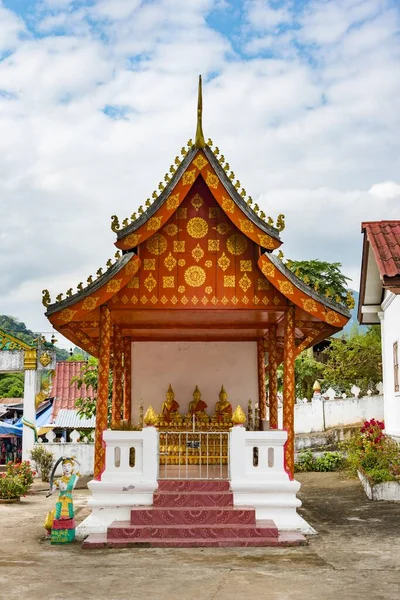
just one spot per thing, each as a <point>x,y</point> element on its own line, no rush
<point>199,141</point>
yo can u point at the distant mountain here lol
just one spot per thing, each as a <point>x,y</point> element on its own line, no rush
<point>19,330</point>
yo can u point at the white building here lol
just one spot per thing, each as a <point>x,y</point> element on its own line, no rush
<point>380,303</point>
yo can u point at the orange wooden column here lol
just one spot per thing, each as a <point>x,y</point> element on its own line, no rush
<point>261,381</point>
<point>127,379</point>
<point>289,389</point>
<point>117,376</point>
<point>102,391</point>
<point>272,378</point>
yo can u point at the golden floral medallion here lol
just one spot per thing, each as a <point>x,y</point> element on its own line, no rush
<point>90,303</point>
<point>212,180</point>
<point>285,287</point>
<point>189,177</point>
<point>245,282</point>
<point>154,223</point>
<point>197,202</point>
<point>228,205</point>
<point>195,276</point>
<point>223,261</point>
<point>222,228</point>
<point>246,226</point>
<point>236,244</point>
<point>113,285</point>
<point>173,201</point>
<point>150,282</point>
<point>171,229</point>
<point>197,253</point>
<point>170,262</point>
<point>157,244</point>
<point>200,162</point>
<point>197,227</point>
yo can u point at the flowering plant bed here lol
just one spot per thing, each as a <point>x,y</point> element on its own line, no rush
<point>16,481</point>
<point>375,457</point>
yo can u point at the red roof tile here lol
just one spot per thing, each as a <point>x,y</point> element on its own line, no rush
<point>384,237</point>
<point>63,392</point>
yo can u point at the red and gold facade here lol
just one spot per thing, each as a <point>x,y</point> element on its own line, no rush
<point>197,266</point>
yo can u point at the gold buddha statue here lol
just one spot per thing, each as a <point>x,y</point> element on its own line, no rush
<point>197,406</point>
<point>223,408</point>
<point>170,408</point>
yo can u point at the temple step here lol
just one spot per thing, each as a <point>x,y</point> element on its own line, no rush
<point>194,499</point>
<point>100,540</point>
<point>124,530</point>
<point>190,485</point>
<point>187,515</point>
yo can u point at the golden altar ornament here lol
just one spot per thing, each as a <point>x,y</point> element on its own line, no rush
<point>238,417</point>
<point>150,418</point>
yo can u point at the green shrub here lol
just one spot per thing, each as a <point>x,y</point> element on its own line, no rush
<point>22,470</point>
<point>43,460</point>
<point>380,475</point>
<point>11,486</point>
<point>330,461</point>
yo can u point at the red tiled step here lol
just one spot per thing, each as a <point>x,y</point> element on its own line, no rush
<point>99,540</point>
<point>187,515</point>
<point>123,530</point>
<point>201,499</point>
<point>192,485</point>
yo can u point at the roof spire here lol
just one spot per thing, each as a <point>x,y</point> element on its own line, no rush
<point>199,140</point>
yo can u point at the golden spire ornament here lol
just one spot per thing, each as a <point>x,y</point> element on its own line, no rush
<point>199,141</point>
<point>238,417</point>
<point>150,418</point>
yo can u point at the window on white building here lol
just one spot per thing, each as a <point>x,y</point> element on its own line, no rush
<point>396,366</point>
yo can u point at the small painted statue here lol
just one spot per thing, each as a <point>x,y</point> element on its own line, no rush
<point>223,408</point>
<point>60,522</point>
<point>170,407</point>
<point>197,406</point>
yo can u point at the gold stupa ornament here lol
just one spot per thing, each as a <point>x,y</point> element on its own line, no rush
<point>238,417</point>
<point>150,418</point>
<point>317,386</point>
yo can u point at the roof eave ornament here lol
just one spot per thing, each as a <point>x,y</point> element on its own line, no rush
<point>199,140</point>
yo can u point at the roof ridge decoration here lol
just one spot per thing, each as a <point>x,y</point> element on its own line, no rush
<point>172,179</point>
<point>9,342</point>
<point>199,141</point>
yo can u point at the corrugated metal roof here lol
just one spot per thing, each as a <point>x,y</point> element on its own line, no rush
<point>69,419</point>
<point>65,394</point>
<point>384,237</point>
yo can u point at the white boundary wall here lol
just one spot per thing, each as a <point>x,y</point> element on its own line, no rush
<point>320,415</point>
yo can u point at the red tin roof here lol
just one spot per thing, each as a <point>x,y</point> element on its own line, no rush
<point>384,238</point>
<point>65,394</point>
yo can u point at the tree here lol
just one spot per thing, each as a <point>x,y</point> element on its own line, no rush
<point>354,359</point>
<point>12,385</point>
<point>325,278</point>
<point>307,371</point>
<point>89,376</point>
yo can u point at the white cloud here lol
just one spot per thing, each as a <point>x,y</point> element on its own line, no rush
<point>11,29</point>
<point>310,131</point>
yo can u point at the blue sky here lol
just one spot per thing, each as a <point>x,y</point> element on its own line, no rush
<point>97,98</point>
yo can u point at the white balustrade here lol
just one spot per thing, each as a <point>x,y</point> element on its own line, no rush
<point>259,479</point>
<point>131,455</point>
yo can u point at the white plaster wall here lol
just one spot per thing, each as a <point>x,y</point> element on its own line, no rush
<point>391,334</point>
<point>352,410</point>
<point>11,360</point>
<point>184,365</point>
<point>83,452</point>
<point>309,417</point>
<point>324,414</point>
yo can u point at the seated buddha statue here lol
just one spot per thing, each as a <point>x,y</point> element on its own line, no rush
<point>223,408</point>
<point>197,406</point>
<point>170,408</point>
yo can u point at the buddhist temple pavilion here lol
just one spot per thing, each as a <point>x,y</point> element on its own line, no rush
<point>192,316</point>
